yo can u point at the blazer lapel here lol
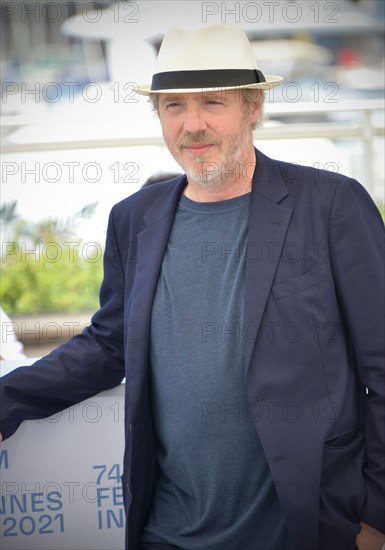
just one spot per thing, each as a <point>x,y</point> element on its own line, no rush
<point>268,223</point>
<point>151,246</point>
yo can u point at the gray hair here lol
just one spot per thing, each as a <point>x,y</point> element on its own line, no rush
<point>254,95</point>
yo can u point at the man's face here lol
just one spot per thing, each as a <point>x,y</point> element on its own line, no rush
<point>209,134</point>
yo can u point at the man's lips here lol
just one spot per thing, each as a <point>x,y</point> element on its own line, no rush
<point>198,148</point>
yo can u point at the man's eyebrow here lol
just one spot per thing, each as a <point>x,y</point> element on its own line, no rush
<point>171,97</point>
<point>216,96</point>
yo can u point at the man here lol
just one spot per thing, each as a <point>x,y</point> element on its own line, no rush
<point>244,304</point>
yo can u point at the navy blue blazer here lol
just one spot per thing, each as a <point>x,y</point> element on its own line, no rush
<point>313,345</point>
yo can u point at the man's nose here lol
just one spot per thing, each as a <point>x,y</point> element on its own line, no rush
<point>194,119</point>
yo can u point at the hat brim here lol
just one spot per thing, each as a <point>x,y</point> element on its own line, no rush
<point>271,82</point>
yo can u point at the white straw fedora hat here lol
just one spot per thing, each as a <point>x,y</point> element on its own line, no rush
<point>210,58</point>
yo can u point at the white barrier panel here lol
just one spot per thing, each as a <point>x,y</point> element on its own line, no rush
<point>60,478</point>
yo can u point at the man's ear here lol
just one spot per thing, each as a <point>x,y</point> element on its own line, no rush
<point>255,111</point>
<point>254,115</point>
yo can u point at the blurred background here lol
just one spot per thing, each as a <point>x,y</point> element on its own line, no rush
<point>75,138</point>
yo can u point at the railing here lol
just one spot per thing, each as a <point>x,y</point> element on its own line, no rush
<point>363,127</point>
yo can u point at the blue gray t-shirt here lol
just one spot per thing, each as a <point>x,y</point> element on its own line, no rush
<point>215,491</point>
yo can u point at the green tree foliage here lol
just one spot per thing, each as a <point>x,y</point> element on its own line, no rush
<point>62,275</point>
<point>381,208</point>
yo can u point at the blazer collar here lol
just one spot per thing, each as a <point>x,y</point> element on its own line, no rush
<point>267,179</point>
<point>267,182</point>
<point>166,202</point>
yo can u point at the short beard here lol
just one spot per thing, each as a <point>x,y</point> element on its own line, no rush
<point>214,178</point>
<point>207,174</point>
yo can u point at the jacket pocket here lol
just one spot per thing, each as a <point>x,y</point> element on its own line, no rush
<point>300,283</point>
<point>342,491</point>
<point>345,440</point>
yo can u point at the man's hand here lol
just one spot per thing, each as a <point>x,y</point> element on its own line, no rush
<point>369,538</point>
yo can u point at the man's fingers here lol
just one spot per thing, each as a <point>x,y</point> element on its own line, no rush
<point>369,538</point>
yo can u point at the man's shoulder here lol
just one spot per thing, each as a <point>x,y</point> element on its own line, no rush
<point>300,183</point>
<point>146,196</point>
<point>295,174</point>
<point>315,192</point>
<point>136,206</point>
<point>307,185</point>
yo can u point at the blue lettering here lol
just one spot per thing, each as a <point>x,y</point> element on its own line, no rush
<point>9,531</point>
<point>55,503</point>
<point>27,525</point>
<point>117,495</point>
<point>100,496</point>
<point>4,459</point>
<point>36,499</point>
<point>118,521</point>
<point>100,520</point>
<point>16,503</point>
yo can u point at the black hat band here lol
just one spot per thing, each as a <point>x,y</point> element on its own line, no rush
<point>217,78</point>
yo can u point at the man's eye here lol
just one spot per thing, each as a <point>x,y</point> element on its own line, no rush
<point>172,105</point>
<point>214,102</point>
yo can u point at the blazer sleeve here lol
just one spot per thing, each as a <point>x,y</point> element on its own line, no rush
<point>357,239</point>
<point>85,365</point>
